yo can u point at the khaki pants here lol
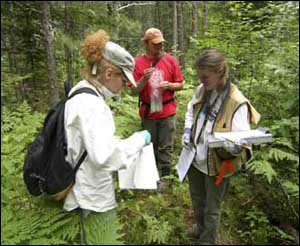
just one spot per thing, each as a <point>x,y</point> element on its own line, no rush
<point>162,135</point>
<point>206,198</point>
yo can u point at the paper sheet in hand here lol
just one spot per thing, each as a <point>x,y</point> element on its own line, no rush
<point>142,173</point>
<point>185,160</point>
<point>257,136</point>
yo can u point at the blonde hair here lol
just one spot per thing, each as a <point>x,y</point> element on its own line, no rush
<point>215,61</point>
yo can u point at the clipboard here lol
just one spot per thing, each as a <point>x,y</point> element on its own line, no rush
<point>257,136</point>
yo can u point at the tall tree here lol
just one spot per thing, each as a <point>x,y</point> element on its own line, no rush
<point>49,43</point>
<point>204,18</point>
<point>175,31</point>
<point>157,14</point>
<point>194,18</point>
<point>180,33</point>
<point>68,52</point>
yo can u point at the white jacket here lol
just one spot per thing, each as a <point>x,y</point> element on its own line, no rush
<point>89,126</point>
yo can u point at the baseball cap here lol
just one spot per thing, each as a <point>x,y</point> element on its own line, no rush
<point>154,35</point>
<point>121,58</point>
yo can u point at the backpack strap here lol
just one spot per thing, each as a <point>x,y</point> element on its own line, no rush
<point>80,161</point>
<point>157,61</point>
<point>83,90</point>
<point>67,87</point>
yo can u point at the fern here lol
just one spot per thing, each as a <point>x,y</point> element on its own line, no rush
<point>15,227</point>
<point>45,241</point>
<point>292,189</point>
<point>37,227</point>
<point>281,155</point>
<point>102,229</point>
<point>157,231</point>
<point>264,168</point>
<point>71,228</point>
<point>284,142</point>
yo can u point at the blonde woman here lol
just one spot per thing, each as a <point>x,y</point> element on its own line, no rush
<point>217,106</point>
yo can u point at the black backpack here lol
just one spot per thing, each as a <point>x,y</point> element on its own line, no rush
<point>45,169</point>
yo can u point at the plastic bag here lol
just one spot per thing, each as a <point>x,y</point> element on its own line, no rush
<point>156,91</point>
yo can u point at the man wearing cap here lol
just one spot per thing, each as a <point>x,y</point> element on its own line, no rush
<point>158,76</point>
<point>89,126</point>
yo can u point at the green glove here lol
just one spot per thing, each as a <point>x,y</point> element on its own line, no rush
<point>147,137</point>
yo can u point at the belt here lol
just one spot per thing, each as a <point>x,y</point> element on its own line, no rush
<point>147,108</point>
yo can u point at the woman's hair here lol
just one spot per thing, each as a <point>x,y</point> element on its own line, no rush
<point>213,60</point>
<point>91,49</point>
<point>92,46</point>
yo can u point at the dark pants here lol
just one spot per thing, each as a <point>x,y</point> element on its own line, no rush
<point>162,135</point>
<point>206,198</point>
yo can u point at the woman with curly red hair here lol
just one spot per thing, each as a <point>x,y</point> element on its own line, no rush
<point>89,126</point>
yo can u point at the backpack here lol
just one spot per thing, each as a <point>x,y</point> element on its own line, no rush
<point>45,169</point>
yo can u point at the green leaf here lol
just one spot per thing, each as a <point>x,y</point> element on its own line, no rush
<point>280,155</point>
<point>262,168</point>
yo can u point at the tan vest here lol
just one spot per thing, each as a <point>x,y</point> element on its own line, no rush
<point>224,124</point>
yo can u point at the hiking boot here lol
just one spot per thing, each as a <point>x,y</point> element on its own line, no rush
<point>194,231</point>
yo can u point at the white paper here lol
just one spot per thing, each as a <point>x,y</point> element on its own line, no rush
<point>126,176</point>
<point>185,160</point>
<point>142,173</point>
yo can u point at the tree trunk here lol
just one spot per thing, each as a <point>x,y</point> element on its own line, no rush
<point>180,33</point>
<point>157,17</point>
<point>13,55</point>
<point>49,43</point>
<point>175,28</point>
<point>194,18</point>
<point>205,18</point>
<point>68,52</point>
<point>12,50</point>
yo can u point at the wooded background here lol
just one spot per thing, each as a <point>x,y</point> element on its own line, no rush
<point>40,50</point>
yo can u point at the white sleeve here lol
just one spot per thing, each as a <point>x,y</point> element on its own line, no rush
<point>97,128</point>
<point>189,120</point>
<point>189,115</point>
<point>240,120</point>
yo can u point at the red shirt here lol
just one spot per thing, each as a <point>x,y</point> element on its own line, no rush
<point>171,73</point>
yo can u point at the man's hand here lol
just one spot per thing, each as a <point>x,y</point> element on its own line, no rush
<point>165,85</point>
<point>173,86</point>
<point>143,81</point>
<point>148,72</point>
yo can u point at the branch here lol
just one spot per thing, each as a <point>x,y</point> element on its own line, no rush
<point>133,4</point>
<point>249,201</point>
